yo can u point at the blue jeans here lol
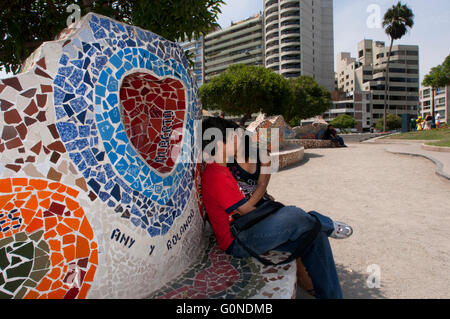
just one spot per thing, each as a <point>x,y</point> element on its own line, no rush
<point>280,231</point>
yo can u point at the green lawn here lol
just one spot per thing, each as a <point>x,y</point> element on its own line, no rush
<point>442,136</point>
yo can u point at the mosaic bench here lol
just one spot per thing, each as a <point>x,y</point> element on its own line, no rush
<point>100,194</point>
<point>220,276</point>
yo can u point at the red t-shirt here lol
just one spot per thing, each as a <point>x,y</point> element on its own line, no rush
<point>221,197</point>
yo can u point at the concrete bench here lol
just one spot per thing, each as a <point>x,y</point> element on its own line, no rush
<point>217,275</point>
<point>289,155</point>
<point>313,143</point>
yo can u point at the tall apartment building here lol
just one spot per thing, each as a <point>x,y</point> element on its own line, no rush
<point>242,42</point>
<point>366,74</point>
<point>298,37</point>
<point>195,52</point>
<point>441,102</point>
<point>292,37</point>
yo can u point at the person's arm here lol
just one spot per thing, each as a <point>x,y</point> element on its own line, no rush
<point>229,196</point>
<point>244,209</point>
<point>261,188</point>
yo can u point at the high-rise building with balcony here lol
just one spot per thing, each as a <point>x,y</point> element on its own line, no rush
<point>366,75</point>
<point>194,50</point>
<point>291,37</point>
<point>298,37</point>
<point>441,102</point>
<point>242,42</point>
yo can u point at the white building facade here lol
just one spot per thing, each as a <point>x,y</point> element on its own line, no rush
<point>299,40</point>
<point>366,76</point>
<point>441,102</point>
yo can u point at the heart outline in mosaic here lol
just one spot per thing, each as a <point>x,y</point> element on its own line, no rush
<point>87,103</point>
<point>167,106</point>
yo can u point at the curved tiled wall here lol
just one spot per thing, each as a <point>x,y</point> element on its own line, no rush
<point>99,190</point>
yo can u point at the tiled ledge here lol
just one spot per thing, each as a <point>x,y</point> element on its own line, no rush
<point>221,276</point>
<point>312,143</point>
<point>294,154</point>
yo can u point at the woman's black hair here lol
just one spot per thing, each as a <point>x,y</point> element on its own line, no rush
<point>218,123</point>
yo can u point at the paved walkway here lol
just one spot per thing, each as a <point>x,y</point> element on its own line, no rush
<point>398,207</point>
<point>414,148</point>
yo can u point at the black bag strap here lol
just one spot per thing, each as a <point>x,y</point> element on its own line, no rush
<point>303,244</point>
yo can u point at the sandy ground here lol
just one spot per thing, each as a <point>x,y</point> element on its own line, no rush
<point>399,209</point>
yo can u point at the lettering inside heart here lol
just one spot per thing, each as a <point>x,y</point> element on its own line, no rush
<point>153,117</point>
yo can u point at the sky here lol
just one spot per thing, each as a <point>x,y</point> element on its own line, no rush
<point>354,20</point>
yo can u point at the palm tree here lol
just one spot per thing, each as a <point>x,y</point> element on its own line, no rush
<point>396,22</point>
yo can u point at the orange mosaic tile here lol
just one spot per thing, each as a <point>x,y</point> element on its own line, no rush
<point>52,210</point>
<point>5,185</point>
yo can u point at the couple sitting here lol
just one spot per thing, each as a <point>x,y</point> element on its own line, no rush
<point>223,182</point>
<point>331,134</point>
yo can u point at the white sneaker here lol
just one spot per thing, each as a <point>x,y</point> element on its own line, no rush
<point>341,230</point>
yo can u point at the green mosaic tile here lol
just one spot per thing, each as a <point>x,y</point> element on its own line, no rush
<point>20,237</point>
<point>22,270</point>
<point>21,293</point>
<point>30,283</point>
<point>15,260</point>
<point>42,262</point>
<point>4,295</point>
<point>44,246</point>
<point>36,236</point>
<point>38,275</point>
<point>25,250</point>
<point>13,285</point>
<point>4,261</point>
<point>6,241</point>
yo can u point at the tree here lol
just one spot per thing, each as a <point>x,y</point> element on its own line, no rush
<point>396,22</point>
<point>244,90</point>
<point>439,76</point>
<point>308,99</point>
<point>343,122</point>
<point>25,24</point>
<point>393,122</point>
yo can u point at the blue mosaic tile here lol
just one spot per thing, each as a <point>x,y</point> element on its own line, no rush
<point>80,107</point>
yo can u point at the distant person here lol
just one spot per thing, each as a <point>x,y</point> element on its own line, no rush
<point>428,122</point>
<point>412,125</point>
<point>420,123</point>
<point>438,120</point>
<point>331,134</point>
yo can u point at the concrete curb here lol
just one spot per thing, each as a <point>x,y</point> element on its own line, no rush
<point>288,157</point>
<point>435,148</point>
<point>439,165</point>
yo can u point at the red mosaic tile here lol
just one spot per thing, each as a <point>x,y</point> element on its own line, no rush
<point>153,110</point>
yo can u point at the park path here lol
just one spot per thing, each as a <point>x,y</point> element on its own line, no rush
<point>399,209</point>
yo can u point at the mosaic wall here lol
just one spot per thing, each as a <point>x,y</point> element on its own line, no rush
<point>99,193</point>
<point>268,123</point>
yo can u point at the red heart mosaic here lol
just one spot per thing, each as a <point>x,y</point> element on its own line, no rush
<point>153,117</point>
